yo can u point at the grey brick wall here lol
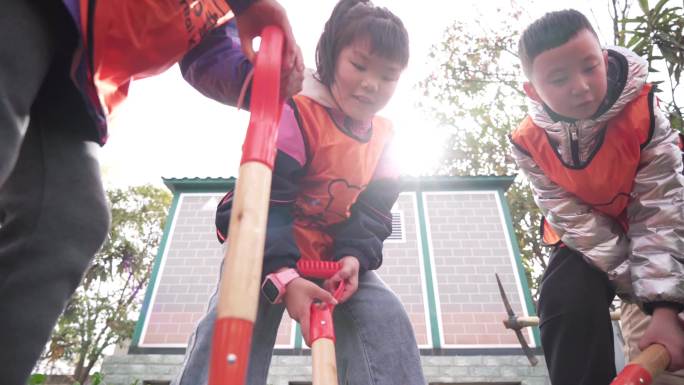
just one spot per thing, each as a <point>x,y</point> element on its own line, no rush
<point>401,268</point>
<point>468,245</point>
<point>125,370</point>
<point>188,276</point>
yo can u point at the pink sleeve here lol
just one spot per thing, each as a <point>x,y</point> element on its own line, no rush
<point>290,139</point>
<point>387,167</point>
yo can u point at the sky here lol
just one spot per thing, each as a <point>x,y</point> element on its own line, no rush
<point>167,129</point>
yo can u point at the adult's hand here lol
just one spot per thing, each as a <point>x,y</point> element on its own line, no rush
<point>255,18</point>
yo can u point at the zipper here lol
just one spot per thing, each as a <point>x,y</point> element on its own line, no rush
<point>90,48</point>
<point>574,144</point>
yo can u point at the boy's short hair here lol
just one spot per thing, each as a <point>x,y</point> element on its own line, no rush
<point>550,31</point>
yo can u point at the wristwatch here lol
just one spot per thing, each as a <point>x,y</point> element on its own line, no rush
<point>274,284</point>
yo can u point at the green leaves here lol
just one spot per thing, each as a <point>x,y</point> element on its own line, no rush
<point>658,35</point>
<point>476,89</point>
<point>99,313</point>
<point>37,379</point>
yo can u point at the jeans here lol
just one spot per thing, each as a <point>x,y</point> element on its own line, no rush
<point>375,344</point>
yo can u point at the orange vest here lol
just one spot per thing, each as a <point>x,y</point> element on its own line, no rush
<point>338,169</point>
<point>605,182</point>
<point>133,39</point>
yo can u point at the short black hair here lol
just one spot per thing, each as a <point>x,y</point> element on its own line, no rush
<point>550,31</point>
<point>360,18</point>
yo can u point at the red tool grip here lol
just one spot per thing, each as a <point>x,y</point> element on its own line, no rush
<point>321,323</point>
<point>312,268</point>
<point>265,103</point>
<point>230,351</point>
<point>633,374</point>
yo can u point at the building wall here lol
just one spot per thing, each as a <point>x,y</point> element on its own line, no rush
<point>469,243</point>
<point>187,276</point>
<point>441,261</point>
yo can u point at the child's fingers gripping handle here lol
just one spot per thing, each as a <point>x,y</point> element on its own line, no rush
<point>645,367</point>
<point>339,291</point>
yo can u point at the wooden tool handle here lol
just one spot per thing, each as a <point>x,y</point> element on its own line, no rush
<point>528,321</point>
<point>323,362</point>
<point>655,359</point>
<point>645,367</point>
<point>534,321</point>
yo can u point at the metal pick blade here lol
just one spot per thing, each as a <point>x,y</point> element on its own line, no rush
<point>507,305</point>
<point>526,348</point>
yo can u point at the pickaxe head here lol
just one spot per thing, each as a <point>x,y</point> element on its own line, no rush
<point>513,324</point>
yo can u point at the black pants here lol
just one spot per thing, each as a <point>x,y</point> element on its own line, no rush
<point>53,212</point>
<point>576,331</point>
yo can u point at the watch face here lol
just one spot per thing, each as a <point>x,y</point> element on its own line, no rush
<point>270,291</point>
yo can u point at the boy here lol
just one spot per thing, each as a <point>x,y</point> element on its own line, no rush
<point>605,170</point>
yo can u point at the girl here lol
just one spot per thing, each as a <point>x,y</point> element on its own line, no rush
<point>332,191</point>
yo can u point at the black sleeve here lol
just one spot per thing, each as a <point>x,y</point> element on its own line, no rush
<point>368,226</point>
<point>281,249</point>
<point>239,6</point>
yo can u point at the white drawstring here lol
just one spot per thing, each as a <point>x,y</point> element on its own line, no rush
<point>243,90</point>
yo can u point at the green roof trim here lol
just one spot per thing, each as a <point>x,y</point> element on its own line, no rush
<point>527,300</point>
<point>432,183</point>
<point>182,185</point>
<point>430,283</point>
<point>460,183</point>
<point>155,272</point>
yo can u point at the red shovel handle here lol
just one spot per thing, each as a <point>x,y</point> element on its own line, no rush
<point>266,104</point>
<point>645,367</point>
<point>321,329</point>
<point>239,288</point>
<point>320,325</point>
<point>311,268</point>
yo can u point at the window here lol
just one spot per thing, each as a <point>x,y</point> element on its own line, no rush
<point>398,233</point>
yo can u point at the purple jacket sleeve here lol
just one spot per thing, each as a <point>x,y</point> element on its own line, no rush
<point>216,67</point>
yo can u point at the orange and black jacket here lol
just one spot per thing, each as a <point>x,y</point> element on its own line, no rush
<point>123,40</point>
<point>333,189</point>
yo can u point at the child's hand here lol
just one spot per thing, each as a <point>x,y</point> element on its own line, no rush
<point>260,14</point>
<point>349,273</point>
<point>666,329</point>
<point>299,296</point>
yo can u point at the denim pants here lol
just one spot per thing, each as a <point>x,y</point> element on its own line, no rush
<point>375,344</point>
